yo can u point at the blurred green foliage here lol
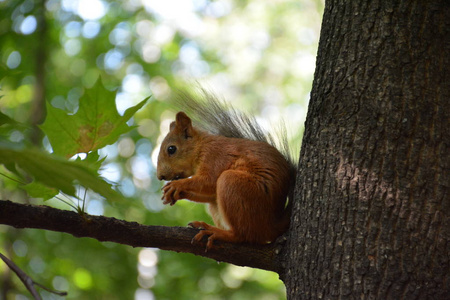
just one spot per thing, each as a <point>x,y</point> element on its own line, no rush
<point>256,54</point>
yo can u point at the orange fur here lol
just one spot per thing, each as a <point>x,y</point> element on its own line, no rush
<point>245,182</point>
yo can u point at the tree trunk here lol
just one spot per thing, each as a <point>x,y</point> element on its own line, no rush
<point>371,220</point>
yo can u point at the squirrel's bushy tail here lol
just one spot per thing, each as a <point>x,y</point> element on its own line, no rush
<point>217,117</point>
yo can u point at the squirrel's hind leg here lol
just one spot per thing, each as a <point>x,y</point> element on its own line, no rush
<point>221,230</point>
<point>244,211</point>
<point>247,205</point>
<point>213,233</point>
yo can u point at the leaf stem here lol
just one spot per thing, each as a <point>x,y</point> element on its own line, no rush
<point>13,179</point>
<point>66,202</point>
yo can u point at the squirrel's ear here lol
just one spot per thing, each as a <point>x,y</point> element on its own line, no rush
<point>184,123</point>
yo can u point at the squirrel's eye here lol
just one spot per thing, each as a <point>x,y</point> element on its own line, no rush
<point>171,150</point>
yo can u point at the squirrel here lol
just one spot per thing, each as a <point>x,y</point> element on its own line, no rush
<point>229,163</point>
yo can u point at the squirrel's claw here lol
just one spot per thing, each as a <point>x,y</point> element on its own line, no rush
<point>204,231</point>
<point>171,193</point>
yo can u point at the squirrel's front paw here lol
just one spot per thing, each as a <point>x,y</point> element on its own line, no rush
<point>171,193</point>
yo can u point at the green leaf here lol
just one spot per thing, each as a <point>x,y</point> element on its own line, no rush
<point>4,119</point>
<point>56,172</point>
<point>38,190</point>
<point>92,160</point>
<point>96,124</point>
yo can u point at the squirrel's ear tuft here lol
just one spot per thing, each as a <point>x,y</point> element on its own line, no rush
<point>184,123</point>
<point>182,118</point>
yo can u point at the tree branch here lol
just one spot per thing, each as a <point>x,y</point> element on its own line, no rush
<point>136,235</point>
<point>27,280</point>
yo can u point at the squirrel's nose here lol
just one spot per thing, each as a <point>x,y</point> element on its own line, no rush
<point>161,177</point>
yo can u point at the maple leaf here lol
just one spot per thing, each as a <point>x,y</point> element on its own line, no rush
<point>97,123</point>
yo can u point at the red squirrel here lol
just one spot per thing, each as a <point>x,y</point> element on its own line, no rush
<point>244,179</point>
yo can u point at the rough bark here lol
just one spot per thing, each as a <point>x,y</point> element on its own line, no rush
<point>136,235</point>
<point>371,219</point>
